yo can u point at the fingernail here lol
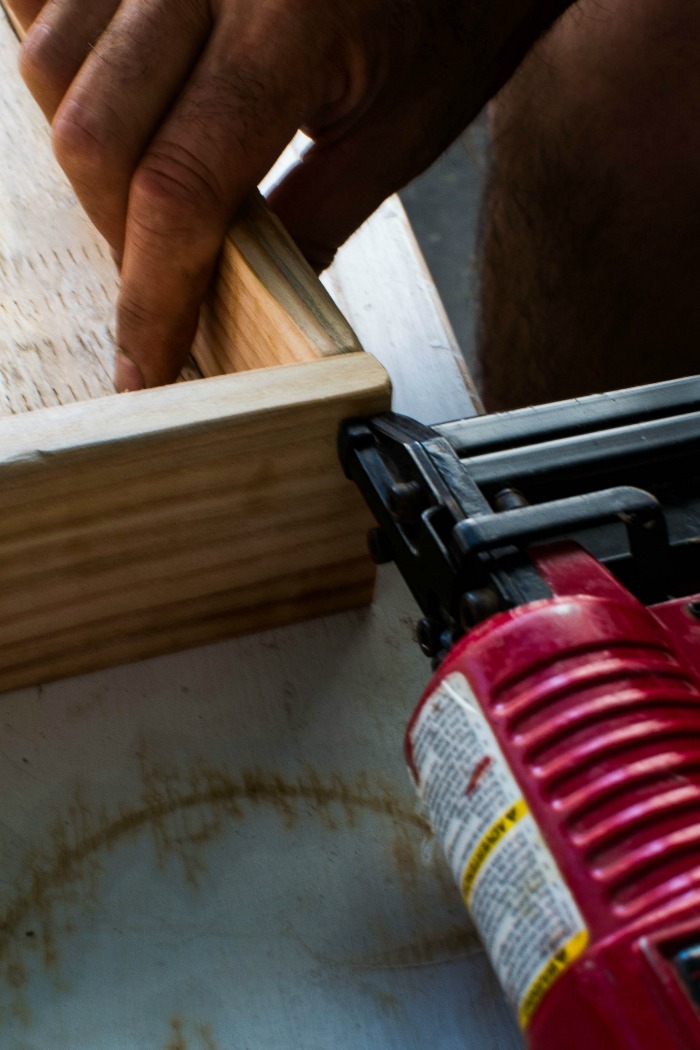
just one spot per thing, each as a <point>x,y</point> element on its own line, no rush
<point>127,375</point>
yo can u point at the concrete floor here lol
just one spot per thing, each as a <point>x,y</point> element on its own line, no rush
<point>443,206</point>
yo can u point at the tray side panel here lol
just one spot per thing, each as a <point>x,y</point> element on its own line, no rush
<point>223,515</point>
<point>267,306</point>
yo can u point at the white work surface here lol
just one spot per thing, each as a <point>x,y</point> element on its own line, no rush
<point>220,850</point>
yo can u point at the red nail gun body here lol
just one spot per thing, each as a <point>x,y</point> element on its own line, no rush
<point>557,748</point>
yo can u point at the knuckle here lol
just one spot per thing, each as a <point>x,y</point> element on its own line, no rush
<point>173,190</point>
<point>42,58</point>
<point>133,314</point>
<point>77,139</point>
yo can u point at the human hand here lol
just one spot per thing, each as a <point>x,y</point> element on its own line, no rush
<point>166,113</point>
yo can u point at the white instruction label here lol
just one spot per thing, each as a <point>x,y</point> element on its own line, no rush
<point>525,913</point>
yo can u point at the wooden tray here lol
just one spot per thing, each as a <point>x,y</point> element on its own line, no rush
<point>139,523</point>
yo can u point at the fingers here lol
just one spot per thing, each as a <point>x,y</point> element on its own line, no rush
<point>117,99</point>
<point>57,42</point>
<point>163,124</point>
<point>229,125</point>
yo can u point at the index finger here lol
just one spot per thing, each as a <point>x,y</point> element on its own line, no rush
<point>231,122</point>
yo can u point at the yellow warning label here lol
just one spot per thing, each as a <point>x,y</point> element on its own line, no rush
<point>529,921</point>
<point>559,962</point>
<point>498,830</point>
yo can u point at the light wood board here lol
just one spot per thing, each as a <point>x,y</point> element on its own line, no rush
<point>145,522</point>
<point>135,524</point>
<point>58,284</point>
<point>267,306</point>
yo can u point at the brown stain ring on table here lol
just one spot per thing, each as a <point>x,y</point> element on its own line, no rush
<point>182,813</point>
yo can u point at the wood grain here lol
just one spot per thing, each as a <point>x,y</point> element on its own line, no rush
<point>145,522</point>
<point>267,306</point>
<point>58,284</point>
